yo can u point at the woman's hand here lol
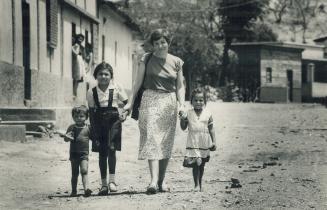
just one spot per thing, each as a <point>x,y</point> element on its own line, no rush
<point>213,147</point>
<point>182,115</point>
<point>182,109</point>
<point>123,115</point>
<point>127,108</point>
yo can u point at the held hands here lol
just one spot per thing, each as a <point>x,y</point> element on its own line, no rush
<point>182,113</point>
<point>127,108</point>
<point>123,115</point>
<point>213,147</point>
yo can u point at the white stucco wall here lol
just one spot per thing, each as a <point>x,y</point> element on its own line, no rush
<point>313,53</point>
<point>44,65</point>
<point>6,35</point>
<point>68,17</point>
<point>117,32</point>
<point>319,89</point>
<point>18,44</point>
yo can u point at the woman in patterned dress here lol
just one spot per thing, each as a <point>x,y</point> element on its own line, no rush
<point>162,77</point>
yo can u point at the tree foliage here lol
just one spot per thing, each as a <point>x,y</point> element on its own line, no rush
<point>200,29</point>
<point>237,17</point>
<point>299,16</point>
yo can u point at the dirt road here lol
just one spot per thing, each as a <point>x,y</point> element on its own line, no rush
<point>277,152</point>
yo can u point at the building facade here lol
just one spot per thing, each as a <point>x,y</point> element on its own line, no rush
<point>36,39</point>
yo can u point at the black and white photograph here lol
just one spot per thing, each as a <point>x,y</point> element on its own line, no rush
<point>163,104</point>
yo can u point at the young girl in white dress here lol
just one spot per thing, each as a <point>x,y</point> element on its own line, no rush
<point>201,136</point>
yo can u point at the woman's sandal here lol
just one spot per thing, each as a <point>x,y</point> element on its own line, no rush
<point>163,187</point>
<point>103,190</point>
<point>152,190</point>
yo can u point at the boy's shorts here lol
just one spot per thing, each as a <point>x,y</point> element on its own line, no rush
<point>78,156</point>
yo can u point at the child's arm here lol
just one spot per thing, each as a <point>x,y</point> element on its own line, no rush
<point>212,134</point>
<point>76,49</point>
<point>122,96</point>
<point>67,136</point>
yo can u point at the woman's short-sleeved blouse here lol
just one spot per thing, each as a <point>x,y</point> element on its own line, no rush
<point>161,74</point>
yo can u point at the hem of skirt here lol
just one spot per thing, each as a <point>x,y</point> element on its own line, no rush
<point>144,158</point>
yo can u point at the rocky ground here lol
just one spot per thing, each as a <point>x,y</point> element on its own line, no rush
<point>277,152</point>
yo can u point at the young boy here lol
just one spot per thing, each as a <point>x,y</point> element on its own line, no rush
<point>78,135</point>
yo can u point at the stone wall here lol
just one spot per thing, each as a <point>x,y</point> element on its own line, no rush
<point>11,85</point>
<point>54,91</point>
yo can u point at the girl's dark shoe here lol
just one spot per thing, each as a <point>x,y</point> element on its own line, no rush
<point>103,190</point>
<point>87,192</point>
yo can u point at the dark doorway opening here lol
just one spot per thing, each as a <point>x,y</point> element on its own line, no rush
<point>290,85</point>
<point>26,49</point>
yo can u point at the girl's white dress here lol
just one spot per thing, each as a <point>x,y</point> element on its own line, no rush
<point>198,139</point>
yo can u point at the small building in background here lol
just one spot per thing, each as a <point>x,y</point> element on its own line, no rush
<point>272,70</point>
<point>283,72</point>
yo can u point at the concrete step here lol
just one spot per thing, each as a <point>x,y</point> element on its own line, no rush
<point>30,118</point>
<point>27,114</point>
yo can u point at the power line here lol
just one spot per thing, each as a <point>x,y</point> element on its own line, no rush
<point>241,4</point>
<point>202,10</point>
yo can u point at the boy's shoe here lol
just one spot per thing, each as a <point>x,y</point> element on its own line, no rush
<point>112,187</point>
<point>87,192</point>
<point>73,193</point>
<point>103,190</point>
<point>151,190</point>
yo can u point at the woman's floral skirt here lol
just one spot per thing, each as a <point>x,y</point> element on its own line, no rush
<point>157,124</point>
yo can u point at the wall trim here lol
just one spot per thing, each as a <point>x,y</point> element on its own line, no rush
<point>81,10</point>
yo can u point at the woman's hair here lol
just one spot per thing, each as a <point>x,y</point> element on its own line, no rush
<point>77,36</point>
<point>158,34</point>
<point>199,91</point>
<point>80,110</point>
<point>103,66</point>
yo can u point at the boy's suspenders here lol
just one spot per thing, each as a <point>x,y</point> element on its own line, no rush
<point>111,96</point>
<point>96,98</point>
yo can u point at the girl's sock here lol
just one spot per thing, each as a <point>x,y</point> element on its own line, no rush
<point>104,182</point>
<point>111,178</point>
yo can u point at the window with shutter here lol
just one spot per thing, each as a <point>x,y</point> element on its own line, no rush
<point>52,23</point>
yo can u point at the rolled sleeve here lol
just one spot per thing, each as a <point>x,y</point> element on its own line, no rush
<point>122,95</point>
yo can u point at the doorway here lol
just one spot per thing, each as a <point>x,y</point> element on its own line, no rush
<point>26,49</point>
<point>290,85</point>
